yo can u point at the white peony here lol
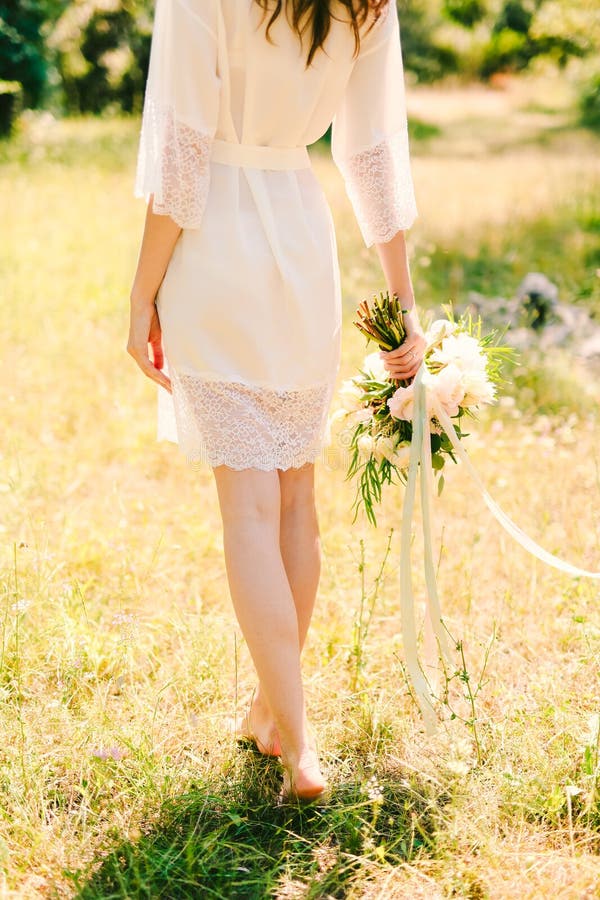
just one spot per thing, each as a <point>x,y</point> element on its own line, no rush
<point>373,366</point>
<point>401,403</point>
<point>447,387</point>
<point>463,351</point>
<point>365,445</point>
<point>351,395</point>
<point>439,330</point>
<point>478,389</point>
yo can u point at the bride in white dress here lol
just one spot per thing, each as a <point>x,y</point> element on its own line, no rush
<point>236,306</point>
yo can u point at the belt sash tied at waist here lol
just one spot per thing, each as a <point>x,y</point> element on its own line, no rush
<point>259,157</point>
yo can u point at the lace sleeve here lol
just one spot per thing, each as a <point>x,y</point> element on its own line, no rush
<point>380,187</point>
<point>370,136</point>
<point>181,109</point>
<point>173,166</point>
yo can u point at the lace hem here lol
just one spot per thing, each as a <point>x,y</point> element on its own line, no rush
<point>173,165</point>
<point>379,184</point>
<point>243,427</point>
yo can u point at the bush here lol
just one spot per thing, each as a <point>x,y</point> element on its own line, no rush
<point>589,103</point>
<point>103,54</point>
<point>464,12</point>
<point>10,101</point>
<point>506,50</point>
<point>422,55</point>
<point>22,52</point>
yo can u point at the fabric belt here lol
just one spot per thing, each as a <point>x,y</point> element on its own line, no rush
<point>256,157</point>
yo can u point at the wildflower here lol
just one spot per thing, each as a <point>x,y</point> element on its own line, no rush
<point>374,791</point>
<point>108,753</point>
<point>21,606</point>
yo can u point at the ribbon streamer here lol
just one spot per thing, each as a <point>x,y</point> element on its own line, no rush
<point>420,458</point>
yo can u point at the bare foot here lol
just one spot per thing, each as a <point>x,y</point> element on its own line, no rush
<point>257,726</point>
<point>304,781</point>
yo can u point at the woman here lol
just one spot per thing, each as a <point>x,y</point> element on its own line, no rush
<point>238,280</point>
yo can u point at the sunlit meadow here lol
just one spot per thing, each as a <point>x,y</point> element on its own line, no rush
<point>120,661</point>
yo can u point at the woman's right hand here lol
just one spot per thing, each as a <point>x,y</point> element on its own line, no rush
<point>144,343</point>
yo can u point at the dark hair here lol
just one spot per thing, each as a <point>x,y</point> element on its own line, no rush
<point>315,16</point>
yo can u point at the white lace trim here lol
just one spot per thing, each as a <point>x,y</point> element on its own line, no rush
<point>380,187</point>
<point>237,425</point>
<point>173,165</point>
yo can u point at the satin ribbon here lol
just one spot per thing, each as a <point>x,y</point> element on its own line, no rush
<point>420,459</point>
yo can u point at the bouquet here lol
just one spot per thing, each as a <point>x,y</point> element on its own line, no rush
<point>396,428</point>
<point>462,368</point>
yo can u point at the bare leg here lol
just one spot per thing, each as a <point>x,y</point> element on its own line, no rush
<point>300,545</point>
<point>250,502</point>
<point>300,541</point>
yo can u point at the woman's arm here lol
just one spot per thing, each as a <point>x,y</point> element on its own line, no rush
<point>160,236</point>
<point>404,362</point>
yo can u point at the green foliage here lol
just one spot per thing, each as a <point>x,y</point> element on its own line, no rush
<point>589,103</point>
<point>506,49</point>
<point>515,15</point>
<point>103,54</point>
<point>23,57</point>
<point>513,35</point>
<point>465,12</point>
<point>10,94</point>
<point>424,55</point>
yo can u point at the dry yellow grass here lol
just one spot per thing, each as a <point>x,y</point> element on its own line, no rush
<point>120,658</point>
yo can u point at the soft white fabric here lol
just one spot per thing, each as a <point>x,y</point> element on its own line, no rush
<point>250,305</point>
<point>370,135</point>
<point>180,110</point>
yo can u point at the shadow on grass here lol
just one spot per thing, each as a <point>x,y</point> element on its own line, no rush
<point>231,839</point>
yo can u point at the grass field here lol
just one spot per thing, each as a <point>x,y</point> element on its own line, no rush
<point>120,660</point>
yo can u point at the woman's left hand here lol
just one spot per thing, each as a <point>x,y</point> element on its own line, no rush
<point>403,363</point>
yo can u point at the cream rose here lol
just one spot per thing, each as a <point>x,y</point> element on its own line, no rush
<point>384,447</point>
<point>351,395</point>
<point>401,455</point>
<point>365,445</point>
<point>373,365</point>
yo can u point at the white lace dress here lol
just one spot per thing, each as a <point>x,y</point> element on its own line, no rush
<point>250,306</point>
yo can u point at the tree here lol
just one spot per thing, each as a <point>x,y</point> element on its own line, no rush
<point>103,50</point>
<point>23,55</point>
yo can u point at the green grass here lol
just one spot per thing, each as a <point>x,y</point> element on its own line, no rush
<point>120,660</point>
<point>228,837</point>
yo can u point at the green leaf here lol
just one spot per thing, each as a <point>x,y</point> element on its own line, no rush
<point>436,442</point>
